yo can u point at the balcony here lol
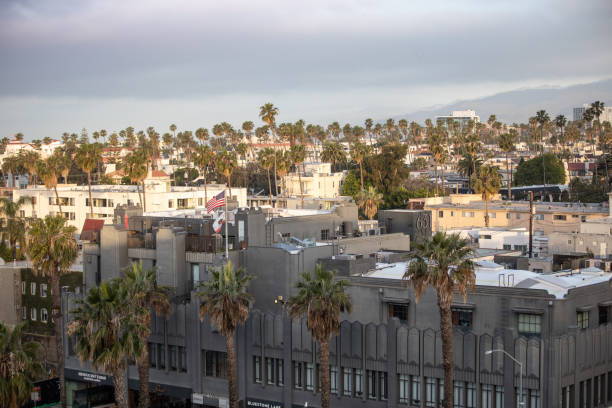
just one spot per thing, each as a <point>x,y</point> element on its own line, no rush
<point>141,240</point>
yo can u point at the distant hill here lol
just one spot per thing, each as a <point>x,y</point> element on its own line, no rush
<point>517,106</point>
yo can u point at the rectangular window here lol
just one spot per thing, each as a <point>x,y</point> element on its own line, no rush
<point>518,216</point>
<point>404,388</point>
<point>534,399</point>
<point>333,379</point>
<point>508,215</point>
<point>486,396</point>
<point>161,355</point>
<point>195,273</point>
<point>216,364</point>
<point>32,288</point>
<point>441,391</point>
<point>383,385</point>
<point>371,384</point>
<point>558,217</point>
<point>173,357</point>
<point>347,381</point>
<point>170,203</point>
<point>398,310</point>
<point>33,314</point>
<point>468,213</point>
<point>462,318</point>
<point>470,395</point>
<point>492,215</point>
<point>257,369</point>
<point>538,217</point>
<point>529,323</point>
<point>441,214</point>
<point>200,201</point>
<point>298,377</point>
<point>270,371</point>
<point>152,360</point>
<point>24,313</point>
<point>309,369</point>
<point>507,247</point>
<point>603,315</point>
<point>499,396</point>
<point>44,316</point>
<point>459,394</point>
<point>582,319</point>
<point>358,382</point>
<point>415,389</point>
<point>43,290</point>
<point>324,234</point>
<point>280,373</point>
<point>430,392</point>
<point>182,359</point>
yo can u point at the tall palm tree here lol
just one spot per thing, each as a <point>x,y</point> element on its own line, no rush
<point>298,156</point>
<point>443,263</point>
<point>48,174</point>
<point>107,333</point>
<point>226,301</point>
<point>226,164</point>
<point>487,181</point>
<point>369,200</point>
<point>135,168</point>
<point>14,226</point>
<point>368,127</point>
<point>28,162</point>
<point>283,164</point>
<point>507,142</point>
<point>87,157</point>
<point>266,160</point>
<point>268,113</point>
<point>141,287</point>
<point>560,123</point>
<point>437,150</point>
<point>204,159</point>
<point>11,164</point>
<point>542,119</point>
<point>321,299</point>
<point>359,152</point>
<point>20,364</point>
<point>333,153</point>
<point>52,250</point>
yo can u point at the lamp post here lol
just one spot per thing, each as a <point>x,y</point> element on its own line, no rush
<point>489,352</point>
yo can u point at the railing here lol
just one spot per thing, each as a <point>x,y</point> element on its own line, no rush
<point>208,243</point>
<point>140,240</point>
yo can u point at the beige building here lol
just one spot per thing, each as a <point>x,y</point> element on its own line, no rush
<point>317,181</point>
<point>468,210</point>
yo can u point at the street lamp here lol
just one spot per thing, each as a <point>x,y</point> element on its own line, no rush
<point>489,352</point>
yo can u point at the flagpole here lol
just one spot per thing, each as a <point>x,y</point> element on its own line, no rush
<point>226,234</point>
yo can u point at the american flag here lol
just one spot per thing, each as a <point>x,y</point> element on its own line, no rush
<point>216,202</point>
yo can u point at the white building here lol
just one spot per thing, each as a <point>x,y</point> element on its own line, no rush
<point>463,117</point>
<point>606,115</point>
<point>160,196</point>
<point>317,182</point>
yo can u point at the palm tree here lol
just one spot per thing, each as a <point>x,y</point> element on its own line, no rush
<point>437,150</point>
<point>487,181</point>
<point>107,333</point>
<point>507,142</point>
<point>283,164</point>
<point>443,263</point>
<point>587,118</point>
<point>369,200</point>
<point>226,163</point>
<point>268,113</point>
<point>298,156</point>
<point>542,119</point>
<point>87,157</point>
<point>226,302</point>
<point>321,299</point>
<point>13,230</point>
<point>11,164</point>
<point>560,123</point>
<point>52,250</point>
<point>333,153</point>
<point>141,287</point>
<point>20,364</point>
<point>47,172</point>
<point>359,152</point>
<point>266,160</point>
<point>368,127</point>
<point>28,160</point>
<point>204,159</point>
<point>135,168</point>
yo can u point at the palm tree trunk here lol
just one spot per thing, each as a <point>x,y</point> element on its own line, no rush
<point>139,195</point>
<point>269,186</point>
<point>144,401</point>
<point>13,178</point>
<point>325,385</point>
<point>229,185</point>
<point>446,328</point>
<point>205,189</point>
<point>57,330</point>
<point>58,200</point>
<point>90,200</point>
<point>442,172</point>
<point>144,198</point>
<point>508,176</point>
<point>301,189</point>
<point>486,212</point>
<point>233,376</point>
<point>119,381</point>
<point>361,174</point>
<point>14,249</point>
<point>436,173</point>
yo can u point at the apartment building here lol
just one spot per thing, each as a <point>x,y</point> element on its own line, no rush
<point>317,181</point>
<point>468,210</point>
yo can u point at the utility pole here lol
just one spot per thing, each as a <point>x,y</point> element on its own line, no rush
<point>531,212</point>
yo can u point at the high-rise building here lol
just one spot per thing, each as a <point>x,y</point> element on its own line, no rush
<point>463,117</point>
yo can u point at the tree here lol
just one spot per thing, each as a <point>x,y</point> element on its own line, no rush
<point>266,160</point>
<point>204,159</point>
<point>28,160</point>
<point>226,164</point>
<point>14,226</point>
<point>141,287</point>
<point>20,364</point>
<point>88,156</point>
<point>107,333</point>
<point>333,153</point>
<point>268,113</point>
<point>52,250</point>
<point>298,156</point>
<point>420,163</point>
<point>321,299</point>
<point>11,164</point>
<point>443,263</point>
<point>226,302</point>
<point>359,152</point>
<point>135,168</point>
<point>369,200</point>
<point>487,181</point>
<point>507,142</point>
<point>530,172</point>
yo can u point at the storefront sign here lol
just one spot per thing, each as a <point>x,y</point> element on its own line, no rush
<point>256,403</point>
<point>197,398</point>
<point>91,377</point>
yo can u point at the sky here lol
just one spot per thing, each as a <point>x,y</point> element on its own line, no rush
<point>108,64</point>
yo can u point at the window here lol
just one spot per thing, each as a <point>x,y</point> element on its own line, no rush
<point>603,315</point>
<point>24,313</point>
<point>470,395</point>
<point>383,385</point>
<point>486,396</point>
<point>485,237</point>
<point>458,394</point>
<point>534,399</point>
<point>558,217</point>
<point>499,396</point>
<point>492,215</point>
<point>298,377</point>
<point>507,247</point>
<point>43,290</point>
<point>23,287</point>
<point>216,364</point>
<point>182,352</point>
<point>508,215</point>
<point>462,318</point>
<point>170,203</point>
<point>347,381</point>
<point>518,216</point>
<point>582,319</point>
<point>173,357</point>
<point>152,360</point>
<point>309,376</point>
<point>333,379</point>
<point>32,288</point>
<point>441,214</point>
<point>200,201</point>
<point>22,213</point>
<point>415,393</point>
<point>430,392</point>
<point>398,310</point>
<point>44,315</point>
<point>324,234</point>
<point>257,369</point>
<point>539,217</point>
<point>33,314</point>
<point>404,388</point>
<point>371,384</point>
<point>161,356</point>
<point>280,373</point>
<point>468,213</point>
<point>270,371</point>
<point>358,382</point>
<point>529,323</point>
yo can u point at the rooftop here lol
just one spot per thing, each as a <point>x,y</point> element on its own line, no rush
<point>523,206</point>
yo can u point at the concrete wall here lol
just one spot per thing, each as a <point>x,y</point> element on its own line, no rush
<point>10,293</point>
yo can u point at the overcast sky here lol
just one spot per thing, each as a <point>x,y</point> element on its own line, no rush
<point>69,64</point>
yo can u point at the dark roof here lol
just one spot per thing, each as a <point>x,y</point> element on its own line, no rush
<point>91,229</point>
